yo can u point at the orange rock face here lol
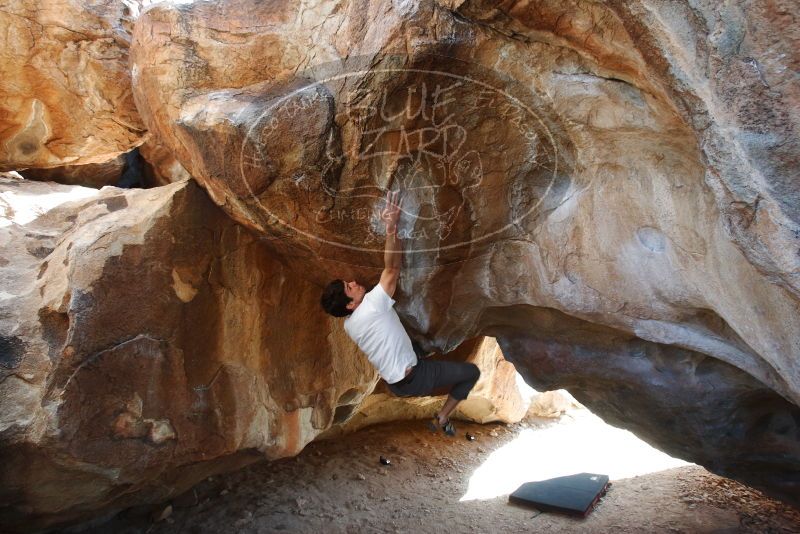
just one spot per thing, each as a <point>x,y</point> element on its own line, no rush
<point>607,188</point>
<point>161,167</point>
<point>601,186</point>
<point>90,175</point>
<point>65,93</point>
<point>496,396</point>
<point>147,342</point>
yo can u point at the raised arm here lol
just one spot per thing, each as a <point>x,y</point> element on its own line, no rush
<point>393,251</point>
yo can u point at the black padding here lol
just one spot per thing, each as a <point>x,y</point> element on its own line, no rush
<point>574,494</point>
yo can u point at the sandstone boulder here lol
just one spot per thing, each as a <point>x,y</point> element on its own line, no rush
<point>150,165</point>
<point>606,187</point>
<point>161,167</point>
<point>91,175</point>
<point>551,404</point>
<point>65,93</point>
<point>147,341</point>
<point>497,396</point>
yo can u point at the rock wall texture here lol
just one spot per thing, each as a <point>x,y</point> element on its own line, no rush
<point>552,404</point>
<point>150,165</point>
<point>65,93</point>
<point>609,188</point>
<point>161,167</point>
<point>91,175</point>
<point>147,342</point>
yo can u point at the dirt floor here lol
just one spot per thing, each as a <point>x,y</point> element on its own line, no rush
<point>340,486</point>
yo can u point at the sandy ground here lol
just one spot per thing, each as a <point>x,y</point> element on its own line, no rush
<point>340,486</point>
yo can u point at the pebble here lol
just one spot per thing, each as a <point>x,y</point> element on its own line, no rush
<point>165,513</point>
<point>361,477</point>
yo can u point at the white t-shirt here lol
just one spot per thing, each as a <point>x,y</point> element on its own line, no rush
<point>377,330</point>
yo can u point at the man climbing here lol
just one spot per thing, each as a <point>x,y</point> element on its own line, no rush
<point>374,325</point>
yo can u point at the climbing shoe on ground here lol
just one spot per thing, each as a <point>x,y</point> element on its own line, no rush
<point>433,424</point>
<point>449,429</point>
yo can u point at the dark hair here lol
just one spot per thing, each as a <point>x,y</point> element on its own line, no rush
<point>334,301</point>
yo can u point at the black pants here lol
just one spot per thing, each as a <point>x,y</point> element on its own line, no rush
<point>429,375</point>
